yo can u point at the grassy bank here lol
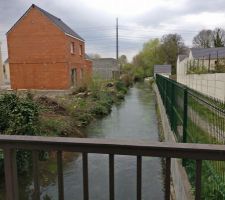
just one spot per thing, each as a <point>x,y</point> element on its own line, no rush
<point>32,114</point>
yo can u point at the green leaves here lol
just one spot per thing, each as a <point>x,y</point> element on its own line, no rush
<point>19,116</point>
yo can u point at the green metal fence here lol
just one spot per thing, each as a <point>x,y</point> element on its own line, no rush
<point>196,118</point>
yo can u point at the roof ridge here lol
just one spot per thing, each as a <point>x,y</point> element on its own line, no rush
<point>44,11</point>
<point>58,22</point>
<point>55,20</point>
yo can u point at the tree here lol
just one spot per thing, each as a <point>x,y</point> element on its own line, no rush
<point>148,57</point>
<point>122,60</point>
<point>218,37</point>
<point>171,46</point>
<point>204,39</point>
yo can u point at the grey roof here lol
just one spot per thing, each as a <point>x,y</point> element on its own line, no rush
<point>57,21</point>
<point>199,53</point>
<point>87,57</point>
<point>6,61</point>
<point>162,69</point>
<point>104,59</point>
<point>182,57</point>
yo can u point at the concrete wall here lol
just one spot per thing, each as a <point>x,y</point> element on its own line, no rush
<point>6,73</point>
<point>209,84</point>
<point>180,182</point>
<point>105,68</point>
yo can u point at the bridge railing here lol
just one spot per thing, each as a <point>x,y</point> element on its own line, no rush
<point>137,148</point>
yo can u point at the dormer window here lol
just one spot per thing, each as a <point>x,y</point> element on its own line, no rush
<point>72,47</point>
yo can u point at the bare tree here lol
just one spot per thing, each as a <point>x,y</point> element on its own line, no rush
<point>204,39</point>
<point>218,37</point>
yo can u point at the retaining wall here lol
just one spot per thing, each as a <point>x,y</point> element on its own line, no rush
<point>180,182</point>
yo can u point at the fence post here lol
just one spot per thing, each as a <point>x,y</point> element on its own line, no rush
<point>185,115</point>
<point>185,118</point>
<point>172,98</point>
<point>10,174</point>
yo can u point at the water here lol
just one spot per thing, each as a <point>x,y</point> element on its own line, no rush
<point>135,118</point>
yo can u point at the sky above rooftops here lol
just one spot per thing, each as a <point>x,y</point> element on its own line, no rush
<point>139,20</point>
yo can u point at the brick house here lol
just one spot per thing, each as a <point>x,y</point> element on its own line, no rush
<point>44,53</point>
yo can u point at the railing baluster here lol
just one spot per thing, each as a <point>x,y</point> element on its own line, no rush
<point>139,177</point>
<point>198,179</point>
<point>85,176</point>
<point>11,181</point>
<point>36,194</point>
<point>167,178</point>
<point>60,175</point>
<point>111,177</point>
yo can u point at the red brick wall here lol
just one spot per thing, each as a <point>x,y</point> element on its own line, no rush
<point>78,61</point>
<point>39,54</point>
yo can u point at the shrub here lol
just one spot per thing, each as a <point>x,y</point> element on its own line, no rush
<point>121,87</point>
<point>120,96</point>
<point>19,116</point>
<point>127,79</point>
<point>99,110</point>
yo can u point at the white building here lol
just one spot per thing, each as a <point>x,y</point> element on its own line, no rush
<point>190,68</point>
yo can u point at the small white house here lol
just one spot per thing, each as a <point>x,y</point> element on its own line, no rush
<point>206,58</point>
<point>195,71</point>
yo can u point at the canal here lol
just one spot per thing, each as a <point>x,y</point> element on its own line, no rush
<point>135,118</point>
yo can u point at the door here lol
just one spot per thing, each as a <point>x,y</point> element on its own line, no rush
<point>73,77</point>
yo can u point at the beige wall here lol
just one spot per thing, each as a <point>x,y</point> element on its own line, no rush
<point>6,73</point>
<point>209,84</point>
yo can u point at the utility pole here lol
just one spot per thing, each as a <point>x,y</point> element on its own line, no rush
<point>117,40</point>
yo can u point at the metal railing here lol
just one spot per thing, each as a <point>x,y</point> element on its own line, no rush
<point>196,118</point>
<point>10,144</point>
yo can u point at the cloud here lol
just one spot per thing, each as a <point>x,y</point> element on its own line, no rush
<point>139,20</point>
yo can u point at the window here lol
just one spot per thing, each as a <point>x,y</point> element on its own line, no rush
<point>72,48</point>
<point>81,50</point>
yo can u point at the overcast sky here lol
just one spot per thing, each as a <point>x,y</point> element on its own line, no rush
<point>139,20</point>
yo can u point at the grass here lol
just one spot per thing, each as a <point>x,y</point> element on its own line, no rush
<point>213,181</point>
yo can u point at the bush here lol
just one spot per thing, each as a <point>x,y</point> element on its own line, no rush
<point>99,110</point>
<point>127,79</point>
<point>83,118</point>
<point>121,87</point>
<point>19,116</point>
<point>139,74</point>
<point>120,96</point>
